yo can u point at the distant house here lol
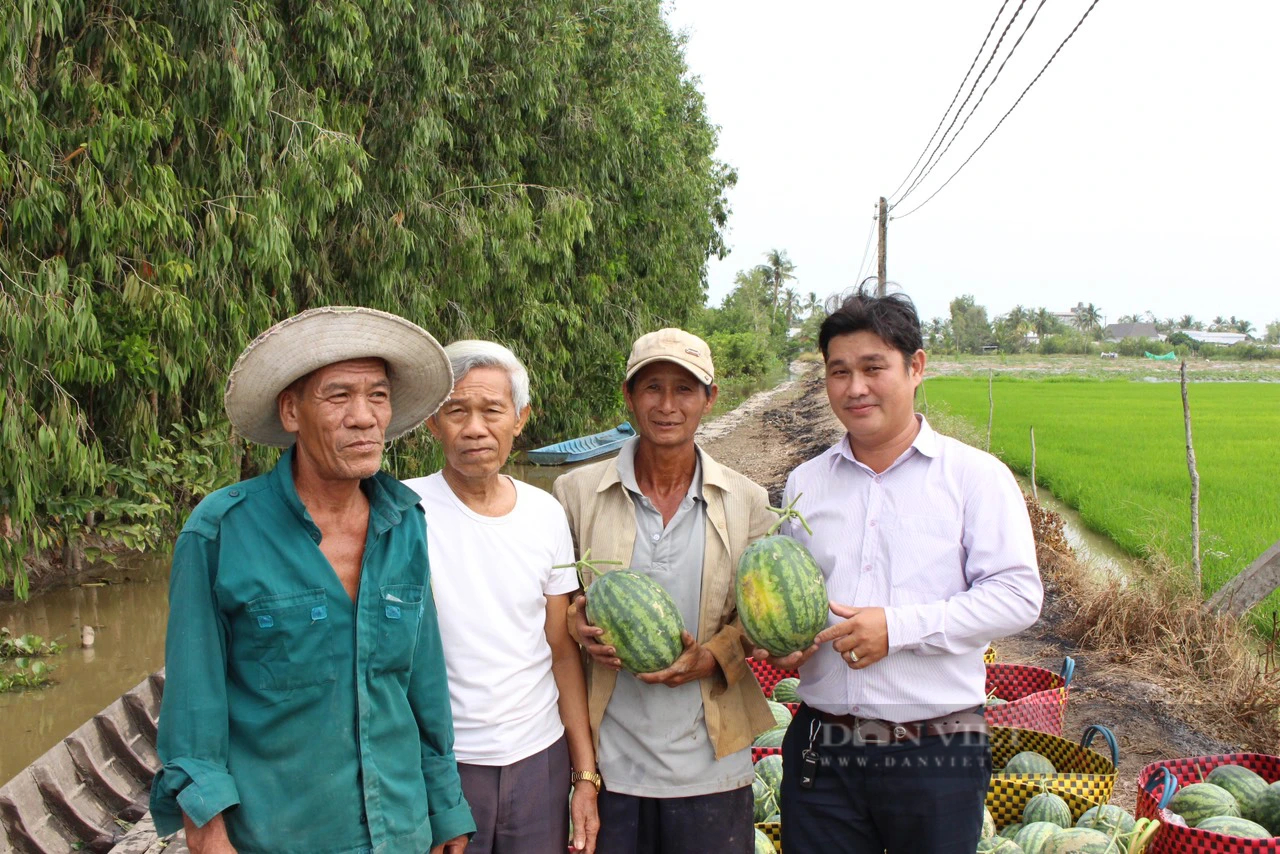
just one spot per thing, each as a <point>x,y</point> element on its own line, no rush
<point>1068,318</point>
<point>1223,339</point>
<point>1121,331</point>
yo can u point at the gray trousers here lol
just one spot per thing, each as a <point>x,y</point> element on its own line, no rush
<point>521,808</point>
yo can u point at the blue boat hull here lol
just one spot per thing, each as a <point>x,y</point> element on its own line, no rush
<point>582,448</point>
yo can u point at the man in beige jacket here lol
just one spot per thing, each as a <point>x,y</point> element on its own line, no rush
<point>673,746</point>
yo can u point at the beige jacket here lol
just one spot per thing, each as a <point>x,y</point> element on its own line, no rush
<point>603,520</point>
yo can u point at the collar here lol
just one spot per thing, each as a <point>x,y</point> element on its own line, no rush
<point>708,473</point>
<point>926,442</point>
<point>388,497</point>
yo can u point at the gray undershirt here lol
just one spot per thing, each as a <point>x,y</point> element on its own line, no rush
<point>653,739</point>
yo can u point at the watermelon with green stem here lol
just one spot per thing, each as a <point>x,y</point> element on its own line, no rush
<point>780,590</point>
<point>1199,801</point>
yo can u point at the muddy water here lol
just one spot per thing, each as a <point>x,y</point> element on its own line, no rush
<point>126,609</point>
<point>1091,547</point>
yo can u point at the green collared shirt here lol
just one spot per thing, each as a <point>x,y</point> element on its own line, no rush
<point>314,724</point>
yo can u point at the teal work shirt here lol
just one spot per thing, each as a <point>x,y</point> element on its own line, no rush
<point>314,724</point>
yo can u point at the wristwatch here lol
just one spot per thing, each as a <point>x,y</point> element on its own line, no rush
<point>590,776</point>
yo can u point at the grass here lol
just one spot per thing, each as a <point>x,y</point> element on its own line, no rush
<point>1115,451</point>
<point>1031,365</point>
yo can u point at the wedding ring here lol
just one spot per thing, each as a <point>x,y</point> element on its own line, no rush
<point>852,656</point>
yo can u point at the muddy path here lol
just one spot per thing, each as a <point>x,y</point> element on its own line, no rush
<point>1145,708</point>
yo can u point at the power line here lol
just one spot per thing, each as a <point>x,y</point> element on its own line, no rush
<point>981,97</point>
<point>1006,115</point>
<point>866,250</point>
<point>972,89</point>
<point>959,89</point>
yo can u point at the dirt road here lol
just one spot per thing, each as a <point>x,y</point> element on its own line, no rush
<point>792,424</point>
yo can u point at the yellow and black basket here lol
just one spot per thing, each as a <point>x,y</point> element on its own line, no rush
<point>773,830</point>
<point>1085,777</point>
<point>989,657</point>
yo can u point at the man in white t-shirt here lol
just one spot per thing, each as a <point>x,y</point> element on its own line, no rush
<point>522,736</point>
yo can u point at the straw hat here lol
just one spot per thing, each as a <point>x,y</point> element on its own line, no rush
<point>416,365</point>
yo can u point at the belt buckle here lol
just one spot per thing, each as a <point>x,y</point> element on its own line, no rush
<point>880,733</point>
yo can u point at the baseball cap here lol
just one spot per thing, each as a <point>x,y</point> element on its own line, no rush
<point>673,345</point>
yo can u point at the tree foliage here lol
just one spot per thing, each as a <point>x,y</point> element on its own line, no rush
<point>176,175</point>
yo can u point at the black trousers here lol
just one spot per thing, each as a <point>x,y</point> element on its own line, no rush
<point>915,797</point>
<point>719,823</point>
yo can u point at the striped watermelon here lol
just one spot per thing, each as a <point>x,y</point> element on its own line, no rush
<point>639,618</point>
<point>785,690</point>
<point>1232,826</point>
<point>1267,810</point>
<point>998,845</point>
<point>1010,831</point>
<point>1199,801</point>
<point>770,737</point>
<point>781,595</point>
<point>1032,837</point>
<point>1106,818</point>
<point>1245,786</point>
<point>765,802</point>
<point>1081,840</point>
<point>1029,762</point>
<point>769,769</point>
<point>776,818</point>
<point>763,844</point>
<point>781,714</point>
<point>988,824</point>
<point>1047,806</point>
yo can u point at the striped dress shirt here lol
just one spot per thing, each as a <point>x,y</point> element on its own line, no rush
<point>941,540</point>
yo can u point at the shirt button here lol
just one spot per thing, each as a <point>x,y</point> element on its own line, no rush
<point>315,535</point>
<point>234,493</point>
<point>866,567</point>
<point>873,523</point>
<point>657,537</point>
<point>877,478</point>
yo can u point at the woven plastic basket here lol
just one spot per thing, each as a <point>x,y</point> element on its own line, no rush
<point>1157,784</point>
<point>1037,698</point>
<point>990,655</point>
<point>773,830</point>
<point>768,675</point>
<point>1085,777</point>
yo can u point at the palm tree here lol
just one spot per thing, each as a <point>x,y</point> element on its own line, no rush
<point>1244,327</point>
<point>780,270</point>
<point>1043,322</point>
<point>1219,323</point>
<point>1089,317</point>
<point>1188,322</point>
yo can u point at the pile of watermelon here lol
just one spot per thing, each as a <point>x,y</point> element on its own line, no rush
<point>1046,828</point>
<point>781,720</point>
<point>1233,800</point>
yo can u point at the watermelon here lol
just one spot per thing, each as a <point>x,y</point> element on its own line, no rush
<point>1080,840</point>
<point>998,845</point>
<point>770,737</point>
<point>781,596</point>
<point>1199,801</point>
<point>1244,785</point>
<point>1047,806</point>
<point>1106,818</point>
<point>1029,762</point>
<point>995,701</point>
<point>776,818</point>
<point>765,802</point>
<point>988,824</point>
<point>639,618</point>
<point>1232,826</point>
<point>763,844</point>
<point>769,769</point>
<point>1266,811</point>
<point>781,714</point>
<point>785,690</point>
<point>1010,831</point>
<point>1032,837</point>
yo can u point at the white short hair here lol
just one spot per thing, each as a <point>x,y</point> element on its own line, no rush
<point>465,355</point>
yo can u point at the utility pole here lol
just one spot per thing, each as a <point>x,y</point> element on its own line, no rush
<point>884,235</point>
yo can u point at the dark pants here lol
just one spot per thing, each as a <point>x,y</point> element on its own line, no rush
<point>915,797</point>
<point>521,808</point>
<point>720,823</point>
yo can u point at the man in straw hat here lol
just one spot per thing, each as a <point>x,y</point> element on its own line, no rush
<point>673,746</point>
<point>306,707</point>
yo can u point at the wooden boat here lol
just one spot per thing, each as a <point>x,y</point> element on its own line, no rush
<point>87,792</point>
<point>583,448</point>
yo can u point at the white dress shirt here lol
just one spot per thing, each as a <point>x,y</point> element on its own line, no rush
<point>941,540</point>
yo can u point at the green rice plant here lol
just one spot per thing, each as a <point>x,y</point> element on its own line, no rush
<point>1115,451</point>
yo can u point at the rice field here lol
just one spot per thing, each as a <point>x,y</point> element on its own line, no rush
<point>1115,451</point>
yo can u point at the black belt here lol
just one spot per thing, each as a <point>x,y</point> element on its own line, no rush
<point>875,731</point>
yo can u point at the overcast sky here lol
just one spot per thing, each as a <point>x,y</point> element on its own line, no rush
<point>1140,173</point>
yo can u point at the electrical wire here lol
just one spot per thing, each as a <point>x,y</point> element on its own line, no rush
<point>972,89</point>
<point>954,97</point>
<point>866,250</point>
<point>1006,115</point>
<point>978,103</point>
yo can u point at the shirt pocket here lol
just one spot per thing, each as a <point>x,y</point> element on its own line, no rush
<point>291,646</point>
<point>926,557</point>
<point>399,615</point>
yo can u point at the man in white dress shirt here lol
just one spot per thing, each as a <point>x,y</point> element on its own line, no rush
<point>928,555</point>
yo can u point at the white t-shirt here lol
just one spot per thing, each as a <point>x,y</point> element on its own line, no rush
<point>491,577</point>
